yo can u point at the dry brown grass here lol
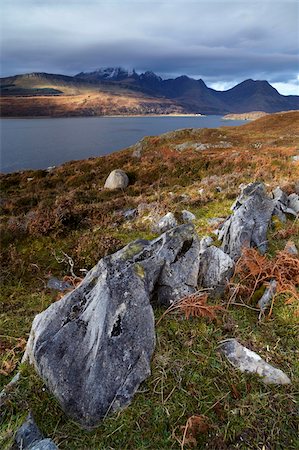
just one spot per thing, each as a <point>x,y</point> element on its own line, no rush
<point>253,270</point>
<point>194,305</point>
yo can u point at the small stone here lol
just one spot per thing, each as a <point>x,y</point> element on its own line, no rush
<point>248,361</point>
<point>184,198</point>
<point>165,223</point>
<point>291,248</point>
<point>187,216</point>
<point>118,179</point>
<point>130,214</point>
<point>50,169</point>
<point>55,283</point>
<point>29,437</point>
<point>269,293</point>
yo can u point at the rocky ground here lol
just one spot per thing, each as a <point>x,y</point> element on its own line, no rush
<point>58,223</point>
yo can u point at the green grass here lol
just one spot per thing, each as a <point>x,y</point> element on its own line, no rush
<point>189,377</point>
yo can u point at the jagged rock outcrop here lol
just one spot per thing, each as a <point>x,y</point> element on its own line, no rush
<point>117,179</point>
<point>93,347</point>
<point>29,437</point>
<point>249,222</point>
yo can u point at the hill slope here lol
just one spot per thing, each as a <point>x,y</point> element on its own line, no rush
<point>45,213</point>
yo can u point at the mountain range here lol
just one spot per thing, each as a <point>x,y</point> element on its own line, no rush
<point>115,90</point>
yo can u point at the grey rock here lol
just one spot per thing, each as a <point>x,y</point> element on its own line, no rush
<point>215,269</point>
<point>187,216</point>
<point>199,146</point>
<point>138,148</point>
<point>279,195</point>
<point>45,444</point>
<point>295,158</point>
<point>29,437</point>
<point>248,361</point>
<point>130,214</point>
<point>165,223</point>
<point>184,198</point>
<point>179,276</point>
<point>284,204</point>
<point>195,146</point>
<point>249,222</point>
<point>266,298</point>
<point>50,169</point>
<point>117,179</point>
<point>277,211</point>
<point>93,347</point>
<point>291,248</point>
<point>293,203</point>
<point>137,153</point>
<point>55,283</point>
<point>205,242</point>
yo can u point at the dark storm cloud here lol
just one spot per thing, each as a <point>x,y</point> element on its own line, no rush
<point>220,41</point>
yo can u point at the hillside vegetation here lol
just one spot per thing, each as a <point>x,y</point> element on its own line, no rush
<point>48,214</point>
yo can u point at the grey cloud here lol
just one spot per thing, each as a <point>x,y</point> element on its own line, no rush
<point>224,39</point>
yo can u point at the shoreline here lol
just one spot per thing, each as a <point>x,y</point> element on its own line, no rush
<point>109,116</point>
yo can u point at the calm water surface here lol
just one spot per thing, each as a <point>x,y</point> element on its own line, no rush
<point>40,143</point>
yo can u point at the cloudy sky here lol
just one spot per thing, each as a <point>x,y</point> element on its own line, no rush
<point>221,41</point>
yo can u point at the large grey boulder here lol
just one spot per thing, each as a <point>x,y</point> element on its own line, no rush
<point>248,224</point>
<point>215,269</point>
<point>29,437</point>
<point>93,347</point>
<point>117,179</point>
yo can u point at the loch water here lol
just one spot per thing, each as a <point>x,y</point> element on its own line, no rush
<point>38,143</point>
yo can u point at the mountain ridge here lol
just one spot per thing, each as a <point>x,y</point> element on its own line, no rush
<point>173,95</point>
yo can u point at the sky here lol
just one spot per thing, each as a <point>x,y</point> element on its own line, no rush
<point>221,41</point>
